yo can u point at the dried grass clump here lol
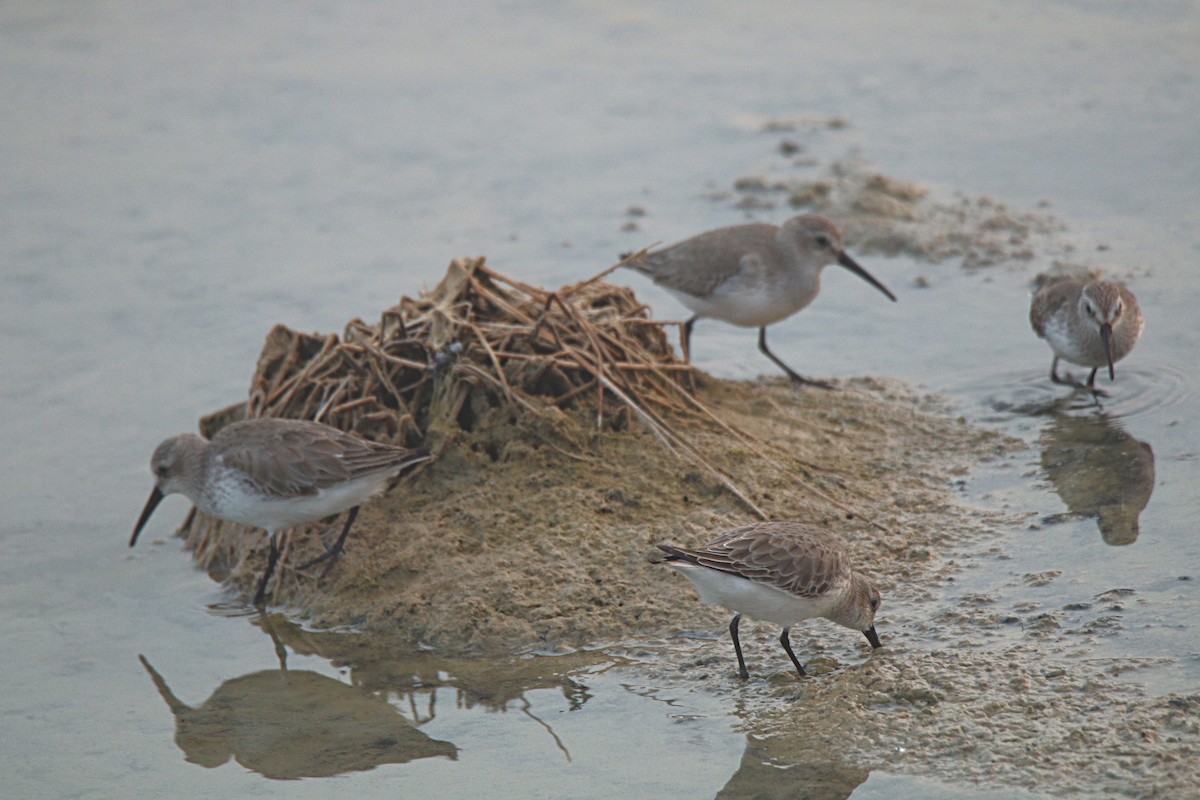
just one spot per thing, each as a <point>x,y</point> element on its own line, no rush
<point>436,364</point>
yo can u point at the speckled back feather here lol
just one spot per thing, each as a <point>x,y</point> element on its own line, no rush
<point>719,251</point>
<point>295,458</point>
<point>798,558</point>
<point>1048,300</point>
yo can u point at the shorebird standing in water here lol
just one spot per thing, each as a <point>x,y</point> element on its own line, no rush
<point>275,474</point>
<point>752,275</point>
<point>1092,324</point>
<point>781,572</point>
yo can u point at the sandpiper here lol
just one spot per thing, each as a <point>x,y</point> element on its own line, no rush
<point>781,572</point>
<point>1092,324</point>
<point>752,275</point>
<point>275,474</point>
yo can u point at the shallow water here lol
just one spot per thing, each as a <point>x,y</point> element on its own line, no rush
<point>177,180</point>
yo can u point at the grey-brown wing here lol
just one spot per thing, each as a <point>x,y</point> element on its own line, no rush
<point>297,458</point>
<point>797,558</point>
<point>1048,300</point>
<point>699,265</point>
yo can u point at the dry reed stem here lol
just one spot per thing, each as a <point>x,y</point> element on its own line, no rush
<point>519,345</point>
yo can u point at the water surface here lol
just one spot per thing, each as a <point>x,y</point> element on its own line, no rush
<point>179,178</point>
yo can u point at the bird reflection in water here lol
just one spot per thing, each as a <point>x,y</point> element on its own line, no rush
<point>767,773</point>
<point>289,724</point>
<point>297,724</point>
<point>419,678</point>
<point>1099,471</point>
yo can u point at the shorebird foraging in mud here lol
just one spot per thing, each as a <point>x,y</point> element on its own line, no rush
<point>752,275</point>
<point>275,474</point>
<point>1092,324</point>
<point>781,572</point>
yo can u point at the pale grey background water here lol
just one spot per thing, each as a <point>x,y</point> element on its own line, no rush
<point>176,178</point>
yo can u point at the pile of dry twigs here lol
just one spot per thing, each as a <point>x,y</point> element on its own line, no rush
<point>477,341</point>
<point>477,332</point>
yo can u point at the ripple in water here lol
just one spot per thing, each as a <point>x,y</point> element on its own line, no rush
<point>232,610</point>
<point>1140,390</point>
<point>1150,389</point>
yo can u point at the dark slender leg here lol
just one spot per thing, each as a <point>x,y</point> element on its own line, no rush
<point>1068,380</point>
<point>786,641</point>
<point>331,554</point>
<point>743,673</point>
<point>261,594</point>
<point>341,540</point>
<point>1091,387</point>
<point>795,376</point>
<point>685,336</point>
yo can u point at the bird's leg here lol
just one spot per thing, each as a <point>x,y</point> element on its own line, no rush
<point>786,641</point>
<point>1067,381</point>
<point>795,376</point>
<point>331,554</point>
<point>1091,385</point>
<point>743,673</point>
<point>272,557</point>
<point>338,546</point>
<point>685,340</point>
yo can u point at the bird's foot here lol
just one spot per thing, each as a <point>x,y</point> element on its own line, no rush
<point>799,381</point>
<point>1064,380</point>
<point>260,596</point>
<point>1069,380</point>
<point>330,555</point>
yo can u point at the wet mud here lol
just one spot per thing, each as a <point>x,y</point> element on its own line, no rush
<point>534,533</point>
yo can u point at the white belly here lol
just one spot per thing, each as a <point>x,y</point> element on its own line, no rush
<point>233,499</point>
<point>1074,343</point>
<point>756,600</point>
<point>749,307</point>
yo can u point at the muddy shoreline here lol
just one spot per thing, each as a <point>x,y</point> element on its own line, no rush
<point>532,538</point>
<point>533,533</point>
<point>528,535</point>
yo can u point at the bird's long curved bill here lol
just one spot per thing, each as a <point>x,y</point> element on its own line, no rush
<point>1106,338</point>
<point>852,265</point>
<point>156,497</point>
<point>873,638</point>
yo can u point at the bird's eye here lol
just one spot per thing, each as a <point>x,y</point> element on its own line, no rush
<point>161,470</point>
<point>1089,308</point>
<point>874,603</point>
<point>823,241</point>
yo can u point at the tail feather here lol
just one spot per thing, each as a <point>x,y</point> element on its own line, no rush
<point>674,553</point>
<point>639,261</point>
<point>416,456</point>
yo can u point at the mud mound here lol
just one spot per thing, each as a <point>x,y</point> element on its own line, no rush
<point>567,442</point>
<point>478,340</point>
<point>881,215</point>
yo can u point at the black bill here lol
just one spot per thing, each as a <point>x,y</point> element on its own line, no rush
<point>156,497</point>
<point>872,637</point>
<point>852,265</point>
